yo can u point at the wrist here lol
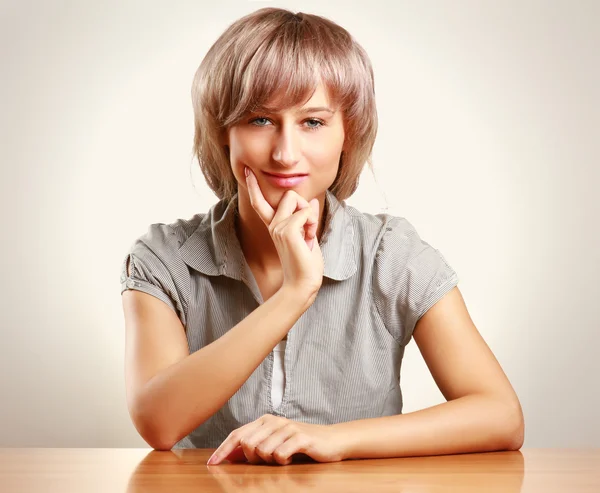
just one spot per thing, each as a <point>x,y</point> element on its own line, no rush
<point>301,296</point>
<point>343,440</point>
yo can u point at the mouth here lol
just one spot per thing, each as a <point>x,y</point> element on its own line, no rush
<point>285,181</point>
<point>285,175</point>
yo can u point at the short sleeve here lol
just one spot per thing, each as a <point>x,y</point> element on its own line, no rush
<point>409,277</point>
<point>157,269</point>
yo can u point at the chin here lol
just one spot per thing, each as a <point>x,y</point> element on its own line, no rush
<point>275,194</point>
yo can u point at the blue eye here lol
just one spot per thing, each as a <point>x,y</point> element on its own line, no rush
<point>318,123</point>
<point>259,118</point>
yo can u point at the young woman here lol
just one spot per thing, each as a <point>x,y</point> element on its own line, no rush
<point>274,325</point>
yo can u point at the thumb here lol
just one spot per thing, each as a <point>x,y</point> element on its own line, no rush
<point>313,223</point>
<point>314,203</point>
<point>313,228</point>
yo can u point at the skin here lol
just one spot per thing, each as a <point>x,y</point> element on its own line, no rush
<point>303,261</point>
<point>292,140</point>
<point>482,412</point>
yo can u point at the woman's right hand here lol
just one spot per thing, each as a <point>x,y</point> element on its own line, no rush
<point>293,228</point>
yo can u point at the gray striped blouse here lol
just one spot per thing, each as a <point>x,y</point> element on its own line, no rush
<point>343,355</point>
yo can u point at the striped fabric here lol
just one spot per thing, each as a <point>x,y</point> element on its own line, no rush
<point>343,356</point>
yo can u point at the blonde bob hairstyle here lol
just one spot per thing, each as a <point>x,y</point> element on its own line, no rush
<point>273,56</point>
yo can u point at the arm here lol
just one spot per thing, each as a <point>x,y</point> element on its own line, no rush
<point>169,391</point>
<point>483,412</point>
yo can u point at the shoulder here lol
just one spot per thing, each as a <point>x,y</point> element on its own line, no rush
<point>385,233</point>
<point>408,274</point>
<point>165,239</point>
<point>154,264</point>
<point>156,254</point>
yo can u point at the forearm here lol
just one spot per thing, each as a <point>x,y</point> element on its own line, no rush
<point>474,423</point>
<point>180,398</point>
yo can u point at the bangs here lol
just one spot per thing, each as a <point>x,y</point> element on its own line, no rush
<point>287,64</point>
<point>273,59</point>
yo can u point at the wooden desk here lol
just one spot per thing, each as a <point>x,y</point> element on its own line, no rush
<point>142,470</point>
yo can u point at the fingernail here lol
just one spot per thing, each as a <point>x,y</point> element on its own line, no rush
<point>212,459</point>
<point>246,171</point>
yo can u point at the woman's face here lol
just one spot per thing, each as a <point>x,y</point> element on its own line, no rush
<point>306,141</point>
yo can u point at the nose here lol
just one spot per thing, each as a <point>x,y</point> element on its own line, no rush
<point>286,149</point>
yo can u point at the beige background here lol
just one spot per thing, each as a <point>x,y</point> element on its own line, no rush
<point>488,144</point>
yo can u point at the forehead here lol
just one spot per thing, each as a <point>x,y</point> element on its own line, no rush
<point>320,97</point>
<point>279,101</point>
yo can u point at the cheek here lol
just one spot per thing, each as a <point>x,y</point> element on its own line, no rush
<point>245,151</point>
<point>248,149</point>
<point>326,153</point>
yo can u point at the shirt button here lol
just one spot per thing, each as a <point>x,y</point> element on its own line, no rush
<point>130,283</point>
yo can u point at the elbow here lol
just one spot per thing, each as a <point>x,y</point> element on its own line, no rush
<point>154,435</point>
<point>514,433</point>
<point>151,428</point>
<point>159,440</point>
<point>161,446</point>
<point>517,436</point>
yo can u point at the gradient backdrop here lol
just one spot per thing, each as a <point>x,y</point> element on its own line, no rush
<point>488,143</point>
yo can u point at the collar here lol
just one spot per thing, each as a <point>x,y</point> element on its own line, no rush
<point>214,249</point>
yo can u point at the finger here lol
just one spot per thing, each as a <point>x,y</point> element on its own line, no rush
<point>311,229</point>
<point>294,224</point>
<point>257,199</point>
<point>289,203</point>
<point>267,448</point>
<point>313,225</point>
<point>296,443</point>
<point>248,454</point>
<point>300,221</point>
<point>233,441</point>
<point>237,455</point>
<point>251,444</point>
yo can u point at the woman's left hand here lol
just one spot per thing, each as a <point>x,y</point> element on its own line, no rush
<point>274,439</point>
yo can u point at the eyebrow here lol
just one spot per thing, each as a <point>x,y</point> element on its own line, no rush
<point>313,109</point>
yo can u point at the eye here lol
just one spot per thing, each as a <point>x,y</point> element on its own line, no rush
<point>261,121</point>
<point>319,123</point>
<point>257,119</point>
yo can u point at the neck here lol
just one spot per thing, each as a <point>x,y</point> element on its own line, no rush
<point>253,234</point>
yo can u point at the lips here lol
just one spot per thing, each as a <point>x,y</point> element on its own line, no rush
<point>285,181</point>
<point>281,175</point>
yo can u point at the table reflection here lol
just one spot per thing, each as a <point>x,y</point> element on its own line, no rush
<point>186,470</point>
